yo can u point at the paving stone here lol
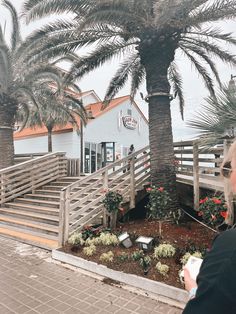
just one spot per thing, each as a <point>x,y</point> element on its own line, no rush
<point>32,285</point>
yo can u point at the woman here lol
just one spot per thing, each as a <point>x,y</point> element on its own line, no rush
<point>215,289</point>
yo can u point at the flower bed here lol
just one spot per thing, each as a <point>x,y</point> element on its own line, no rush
<point>190,237</point>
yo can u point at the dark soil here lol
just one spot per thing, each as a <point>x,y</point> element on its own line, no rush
<point>188,237</point>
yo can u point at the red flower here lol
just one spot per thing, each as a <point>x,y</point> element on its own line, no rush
<point>161,189</point>
<point>148,189</point>
<point>216,200</point>
<point>200,213</point>
<point>203,200</point>
<point>224,214</point>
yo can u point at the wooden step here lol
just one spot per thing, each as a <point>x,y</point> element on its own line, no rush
<point>43,196</point>
<point>29,237</point>
<point>36,202</point>
<point>32,208</point>
<point>29,225</point>
<point>47,192</point>
<point>30,215</point>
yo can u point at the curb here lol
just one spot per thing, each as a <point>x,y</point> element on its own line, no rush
<point>177,296</point>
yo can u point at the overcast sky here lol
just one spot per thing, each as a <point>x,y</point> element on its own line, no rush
<point>194,89</point>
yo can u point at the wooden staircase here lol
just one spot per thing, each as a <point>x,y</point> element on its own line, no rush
<point>42,206</point>
<point>34,217</point>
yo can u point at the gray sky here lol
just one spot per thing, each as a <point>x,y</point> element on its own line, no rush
<point>194,89</point>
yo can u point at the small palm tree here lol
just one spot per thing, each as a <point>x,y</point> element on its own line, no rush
<point>55,110</point>
<point>16,80</point>
<point>147,34</point>
<point>216,119</point>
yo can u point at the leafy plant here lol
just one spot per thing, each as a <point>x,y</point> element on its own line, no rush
<point>76,239</point>
<point>108,239</point>
<point>107,257</point>
<point>213,211</point>
<point>164,250</point>
<point>158,204</point>
<point>112,201</point>
<point>93,241</point>
<point>162,269</point>
<point>89,250</point>
<point>187,255</point>
<point>145,262</point>
<point>90,232</point>
<point>137,255</point>
<point>123,257</point>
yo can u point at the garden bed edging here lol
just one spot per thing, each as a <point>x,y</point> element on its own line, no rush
<point>155,287</point>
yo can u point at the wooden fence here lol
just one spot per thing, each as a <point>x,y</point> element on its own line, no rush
<point>200,167</point>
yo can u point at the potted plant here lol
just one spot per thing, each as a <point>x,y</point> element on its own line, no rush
<point>111,202</point>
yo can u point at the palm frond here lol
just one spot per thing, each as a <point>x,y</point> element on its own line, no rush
<point>202,71</point>
<point>177,85</point>
<point>120,78</point>
<point>15,37</point>
<point>201,53</point>
<point>213,11</point>
<point>34,9</point>
<point>99,57</point>
<point>214,33</point>
<point>137,77</point>
<point>212,49</point>
<point>216,119</point>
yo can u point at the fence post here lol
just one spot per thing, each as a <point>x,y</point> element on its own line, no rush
<point>228,191</point>
<point>132,183</point>
<point>105,188</point>
<point>61,218</point>
<point>67,214</point>
<point>3,189</point>
<point>196,175</point>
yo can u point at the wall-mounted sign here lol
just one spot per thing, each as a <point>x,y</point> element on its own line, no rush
<point>129,122</point>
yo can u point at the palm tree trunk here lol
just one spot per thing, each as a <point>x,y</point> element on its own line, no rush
<point>7,118</point>
<point>160,126</point>
<point>49,140</point>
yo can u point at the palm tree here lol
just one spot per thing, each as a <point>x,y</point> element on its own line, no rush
<point>216,119</point>
<point>16,79</point>
<point>146,34</point>
<point>55,110</point>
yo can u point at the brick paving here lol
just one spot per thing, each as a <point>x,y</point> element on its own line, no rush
<point>30,283</point>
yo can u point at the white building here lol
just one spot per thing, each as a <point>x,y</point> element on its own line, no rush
<point>107,136</point>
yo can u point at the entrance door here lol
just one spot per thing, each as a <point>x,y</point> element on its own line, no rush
<point>108,149</point>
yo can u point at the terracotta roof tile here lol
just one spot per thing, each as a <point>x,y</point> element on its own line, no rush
<point>95,108</point>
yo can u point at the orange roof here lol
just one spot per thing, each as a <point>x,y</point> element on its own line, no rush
<point>95,108</point>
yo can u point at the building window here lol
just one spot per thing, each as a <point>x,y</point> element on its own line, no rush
<point>129,112</point>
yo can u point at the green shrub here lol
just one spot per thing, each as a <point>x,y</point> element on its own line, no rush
<point>145,262</point>
<point>76,239</point>
<point>107,257</point>
<point>123,257</point>
<point>89,250</point>
<point>164,250</point>
<point>162,269</point>
<point>187,255</point>
<point>136,255</point>
<point>108,239</point>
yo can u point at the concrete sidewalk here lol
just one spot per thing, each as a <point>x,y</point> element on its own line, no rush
<point>30,283</point>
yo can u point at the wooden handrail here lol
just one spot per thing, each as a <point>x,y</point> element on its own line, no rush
<point>29,162</point>
<point>27,176</point>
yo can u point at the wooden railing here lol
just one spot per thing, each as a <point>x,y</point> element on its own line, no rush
<point>126,175</point>
<point>73,167</point>
<point>27,176</point>
<point>197,164</point>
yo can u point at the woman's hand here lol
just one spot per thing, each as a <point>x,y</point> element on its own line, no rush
<point>188,281</point>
